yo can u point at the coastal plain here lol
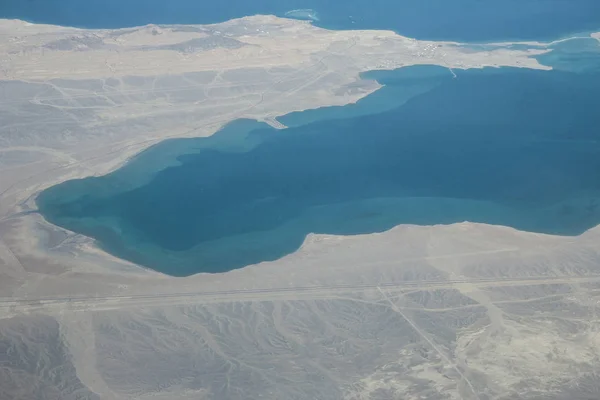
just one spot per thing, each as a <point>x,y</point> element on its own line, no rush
<point>461,311</point>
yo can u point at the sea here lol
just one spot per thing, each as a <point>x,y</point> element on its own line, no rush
<point>507,146</point>
<point>458,20</point>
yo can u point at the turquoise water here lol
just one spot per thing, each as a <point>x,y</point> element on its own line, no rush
<point>461,20</point>
<point>306,14</point>
<point>576,55</point>
<point>398,87</point>
<point>505,146</point>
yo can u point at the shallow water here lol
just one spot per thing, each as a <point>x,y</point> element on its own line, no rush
<point>303,14</point>
<point>460,20</point>
<point>505,146</point>
<point>576,55</point>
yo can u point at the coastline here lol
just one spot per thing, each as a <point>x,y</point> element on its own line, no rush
<point>505,57</point>
<point>442,310</point>
<point>343,57</point>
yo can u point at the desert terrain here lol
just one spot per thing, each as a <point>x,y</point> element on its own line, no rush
<point>465,311</point>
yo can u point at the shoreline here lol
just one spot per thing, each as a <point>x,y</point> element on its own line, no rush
<point>207,253</point>
<point>300,97</point>
<point>208,129</point>
<point>438,310</point>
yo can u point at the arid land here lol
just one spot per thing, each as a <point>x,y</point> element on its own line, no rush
<point>465,311</point>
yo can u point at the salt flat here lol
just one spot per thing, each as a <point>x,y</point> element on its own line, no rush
<point>465,311</point>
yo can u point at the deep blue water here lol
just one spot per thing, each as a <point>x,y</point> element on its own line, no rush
<point>463,20</point>
<point>515,147</point>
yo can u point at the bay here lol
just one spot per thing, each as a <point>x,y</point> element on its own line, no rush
<point>514,147</point>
